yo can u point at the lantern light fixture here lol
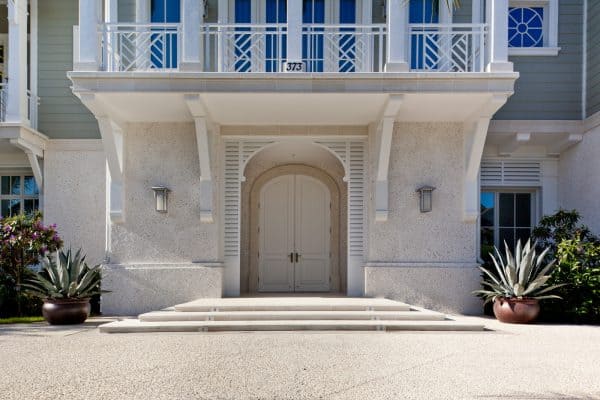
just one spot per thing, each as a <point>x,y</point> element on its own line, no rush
<point>161,196</point>
<point>425,198</point>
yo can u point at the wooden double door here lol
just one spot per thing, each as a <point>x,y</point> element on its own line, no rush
<point>294,235</point>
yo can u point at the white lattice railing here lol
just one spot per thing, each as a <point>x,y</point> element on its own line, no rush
<point>343,47</point>
<point>244,47</point>
<point>33,102</point>
<point>447,47</point>
<point>140,47</point>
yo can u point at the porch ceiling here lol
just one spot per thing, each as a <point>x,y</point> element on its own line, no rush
<point>291,108</point>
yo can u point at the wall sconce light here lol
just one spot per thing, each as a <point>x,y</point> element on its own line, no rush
<point>161,196</point>
<point>425,198</point>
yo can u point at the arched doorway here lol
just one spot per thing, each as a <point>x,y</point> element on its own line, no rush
<point>250,162</point>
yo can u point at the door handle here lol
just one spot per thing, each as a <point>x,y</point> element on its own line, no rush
<point>291,257</point>
<point>297,256</point>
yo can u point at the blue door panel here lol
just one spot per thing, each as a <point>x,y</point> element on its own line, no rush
<point>276,51</point>
<point>424,48</point>
<point>163,50</point>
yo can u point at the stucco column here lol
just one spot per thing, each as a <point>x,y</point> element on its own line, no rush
<point>89,43</point>
<point>191,19</point>
<point>497,19</point>
<point>397,34</point>
<point>16,106</point>
<point>294,32</point>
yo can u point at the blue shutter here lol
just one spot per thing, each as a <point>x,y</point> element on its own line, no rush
<point>243,53</point>
<point>347,53</point>
<point>423,12</point>
<point>163,53</point>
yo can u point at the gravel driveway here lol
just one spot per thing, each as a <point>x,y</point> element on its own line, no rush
<point>509,362</point>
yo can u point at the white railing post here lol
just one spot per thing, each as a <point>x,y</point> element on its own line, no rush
<point>16,102</point>
<point>294,31</point>
<point>397,34</point>
<point>142,48</point>
<point>497,19</point>
<point>191,18</point>
<point>89,44</point>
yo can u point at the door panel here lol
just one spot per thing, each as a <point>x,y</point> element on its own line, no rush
<point>276,272</point>
<point>294,219</point>
<point>312,235</point>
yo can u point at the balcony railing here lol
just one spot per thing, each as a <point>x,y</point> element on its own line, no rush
<point>342,48</point>
<point>33,102</point>
<point>447,47</point>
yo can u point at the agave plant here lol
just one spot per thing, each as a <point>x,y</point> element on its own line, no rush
<point>68,277</point>
<point>520,276</point>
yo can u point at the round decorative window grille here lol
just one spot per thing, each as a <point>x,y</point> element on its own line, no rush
<point>525,27</point>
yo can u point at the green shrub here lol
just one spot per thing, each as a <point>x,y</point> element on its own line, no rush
<point>577,252</point>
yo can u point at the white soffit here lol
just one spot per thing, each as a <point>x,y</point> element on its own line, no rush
<point>292,108</point>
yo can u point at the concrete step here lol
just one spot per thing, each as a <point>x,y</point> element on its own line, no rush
<point>158,316</point>
<point>134,325</point>
<point>292,304</point>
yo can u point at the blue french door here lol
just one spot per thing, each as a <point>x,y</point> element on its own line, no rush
<point>274,51</point>
<point>163,47</point>
<point>313,12</point>
<point>424,47</point>
<point>276,45</point>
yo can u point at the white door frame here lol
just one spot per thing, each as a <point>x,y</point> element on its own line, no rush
<point>238,150</point>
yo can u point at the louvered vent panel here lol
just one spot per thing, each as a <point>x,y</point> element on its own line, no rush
<point>232,199</point>
<point>511,173</point>
<point>356,194</point>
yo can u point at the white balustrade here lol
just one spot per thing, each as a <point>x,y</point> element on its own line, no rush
<point>140,47</point>
<point>447,47</point>
<point>339,48</point>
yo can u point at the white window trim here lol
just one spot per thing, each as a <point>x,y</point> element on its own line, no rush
<point>550,29</point>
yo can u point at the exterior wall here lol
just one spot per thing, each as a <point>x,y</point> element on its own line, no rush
<point>75,195</point>
<point>163,154</point>
<point>141,288</point>
<point>61,114</point>
<point>593,58</point>
<point>427,259</point>
<point>579,179</point>
<point>550,87</point>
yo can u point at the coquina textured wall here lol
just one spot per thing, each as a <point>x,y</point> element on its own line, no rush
<point>75,194</point>
<point>163,154</point>
<point>425,259</point>
<point>579,179</point>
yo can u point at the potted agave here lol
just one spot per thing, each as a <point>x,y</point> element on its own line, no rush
<point>66,285</point>
<point>519,283</point>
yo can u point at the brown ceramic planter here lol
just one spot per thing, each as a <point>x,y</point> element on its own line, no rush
<point>66,312</point>
<point>516,311</point>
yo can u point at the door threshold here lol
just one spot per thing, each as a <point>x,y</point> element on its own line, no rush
<point>294,294</point>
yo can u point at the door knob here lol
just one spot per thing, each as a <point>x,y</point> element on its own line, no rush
<point>291,257</point>
<point>297,256</point>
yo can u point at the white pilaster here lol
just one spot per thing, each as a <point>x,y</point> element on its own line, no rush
<point>294,33</point>
<point>142,16</point>
<point>397,31</point>
<point>16,107</point>
<point>89,39</point>
<point>192,15</point>
<point>33,58</point>
<point>497,19</point>
<point>222,18</point>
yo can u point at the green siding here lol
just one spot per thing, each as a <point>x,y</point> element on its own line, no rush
<point>61,114</point>
<point>593,54</point>
<point>550,87</point>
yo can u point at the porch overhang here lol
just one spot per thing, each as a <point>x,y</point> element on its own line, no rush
<point>18,139</point>
<point>292,99</point>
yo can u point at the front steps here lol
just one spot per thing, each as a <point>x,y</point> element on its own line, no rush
<point>290,314</point>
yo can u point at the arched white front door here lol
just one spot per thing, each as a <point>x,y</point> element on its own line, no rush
<point>294,235</point>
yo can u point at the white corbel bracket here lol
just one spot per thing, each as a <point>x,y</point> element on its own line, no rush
<point>112,140</point>
<point>476,132</point>
<point>201,122</point>
<point>34,153</point>
<point>385,131</point>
